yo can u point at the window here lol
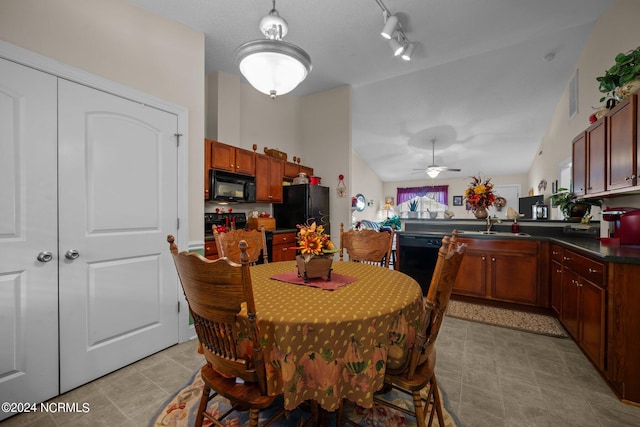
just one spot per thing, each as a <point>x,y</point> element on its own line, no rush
<point>430,199</point>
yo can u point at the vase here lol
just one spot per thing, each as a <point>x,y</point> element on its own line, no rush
<point>316,266</point>
<point>480,212</point>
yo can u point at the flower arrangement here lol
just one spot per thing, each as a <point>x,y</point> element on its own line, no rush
<point>480,193</point>
<point>313,241</point>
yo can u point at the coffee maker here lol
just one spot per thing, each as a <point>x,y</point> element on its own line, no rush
<point>626,224</point>
<point>540,211</point>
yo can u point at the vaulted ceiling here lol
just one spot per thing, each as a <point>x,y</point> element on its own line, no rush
<point>483,82</point>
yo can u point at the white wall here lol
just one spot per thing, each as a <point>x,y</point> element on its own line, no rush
<point>457,186</point>
<point>125,44</point>
<point>367,183</point>
<point>616,31</point>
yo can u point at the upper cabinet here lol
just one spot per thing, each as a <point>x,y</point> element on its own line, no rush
<point>292,170</point>
<point>622,149</point>
<point>268,179</point>
<point>606,155</point>
<point>232,159</point>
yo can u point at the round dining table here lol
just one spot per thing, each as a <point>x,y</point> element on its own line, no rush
<point>326,345</point>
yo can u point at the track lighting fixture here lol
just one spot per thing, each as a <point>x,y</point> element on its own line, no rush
<point>389,26</point>
<point>392,30</point>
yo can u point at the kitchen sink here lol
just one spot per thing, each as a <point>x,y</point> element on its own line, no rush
<point>493,233</point>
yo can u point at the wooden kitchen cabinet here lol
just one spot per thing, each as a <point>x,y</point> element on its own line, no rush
<point>503,270</point>
<point>232,159</point>
<point>556,279</point>
<point>579,164</point>
<point>291,170</point>
<point>210,249</point>
<point>283,247</point>
<point>622,144</point>
<point>268,179</point>
<point>583,311</point>
<point>596,157</point>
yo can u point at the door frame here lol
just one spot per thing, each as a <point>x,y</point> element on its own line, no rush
<point>45,64</point>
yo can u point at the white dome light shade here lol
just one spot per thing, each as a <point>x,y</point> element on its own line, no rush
<point>273,67</point>
<point>433,173</point>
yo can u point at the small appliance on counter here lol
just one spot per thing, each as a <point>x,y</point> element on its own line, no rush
<point>539,211</point>
<point>626,224</point>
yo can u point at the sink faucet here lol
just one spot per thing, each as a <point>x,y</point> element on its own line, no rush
<point>491,221</point>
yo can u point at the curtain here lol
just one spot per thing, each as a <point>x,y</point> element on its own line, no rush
<point>439,193</point>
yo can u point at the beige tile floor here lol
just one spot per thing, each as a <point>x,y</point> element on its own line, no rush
<point>492,377</point>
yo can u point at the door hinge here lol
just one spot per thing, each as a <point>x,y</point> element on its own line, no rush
<point>178,306</point>
<point>178,135</point>
<point>178,223</point>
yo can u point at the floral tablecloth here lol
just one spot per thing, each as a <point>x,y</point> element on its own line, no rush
<point>328,345</point>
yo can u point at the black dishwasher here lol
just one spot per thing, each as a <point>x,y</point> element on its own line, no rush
<point>417,256</point>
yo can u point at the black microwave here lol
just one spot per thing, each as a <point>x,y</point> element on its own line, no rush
<point>231,187</point>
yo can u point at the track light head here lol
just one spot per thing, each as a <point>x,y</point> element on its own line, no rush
<point>406,55</point>
<point>396,47</point>
<point>389,26</point>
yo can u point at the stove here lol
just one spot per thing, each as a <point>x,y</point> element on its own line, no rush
<point>226,219</point>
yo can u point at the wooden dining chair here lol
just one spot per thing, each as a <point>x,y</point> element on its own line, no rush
<point>227,244</point>
<point>418,370</point>
<point>215,291</point>
<point>366,246</point>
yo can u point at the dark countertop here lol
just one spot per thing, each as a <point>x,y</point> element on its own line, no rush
<point>552,231</point>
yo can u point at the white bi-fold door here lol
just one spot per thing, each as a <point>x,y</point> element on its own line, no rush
<point>88,184</point>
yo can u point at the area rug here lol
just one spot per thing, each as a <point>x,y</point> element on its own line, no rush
<point>180,411</point>
<point>522,321</point>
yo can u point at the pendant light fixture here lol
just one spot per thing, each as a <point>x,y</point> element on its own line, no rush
<point>273,66</point>
<point>392,31</point>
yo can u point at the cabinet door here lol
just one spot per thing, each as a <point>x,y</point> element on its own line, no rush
<point>569,310</point>
<point>208,152</point>
<point>268,179</point>
<point>290,170</point>
<point>245,161</point>
<point>210,250</point>
<point>275,180</point>
<point>556,287</point>
<point>596,157</point>
<point>622,145</point>
<point>472,276</point>
<point>514,277</point>
<point>223,157</point>
<point>283,247</point>
<point>579,164</point>
<point>592,321</point>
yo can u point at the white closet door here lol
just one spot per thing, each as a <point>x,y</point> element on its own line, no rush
<point>118,202</point>
<point>28,226</point>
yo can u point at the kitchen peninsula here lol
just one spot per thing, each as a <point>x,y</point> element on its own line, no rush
<point>554,267</point>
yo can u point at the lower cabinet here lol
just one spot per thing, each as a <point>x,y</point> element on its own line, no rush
<point>583,295</point>
<point>283,247</point>
<point>210,249</point>
<point>504,270</point>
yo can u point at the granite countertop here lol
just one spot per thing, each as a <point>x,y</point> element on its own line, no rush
<point>551,231</point>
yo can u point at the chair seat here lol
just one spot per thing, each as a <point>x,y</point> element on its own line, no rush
<point>420,379</point>
<point>244,394</point>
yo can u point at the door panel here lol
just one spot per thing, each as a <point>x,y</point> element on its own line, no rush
<point>118,202</point>
<point>28,225</point>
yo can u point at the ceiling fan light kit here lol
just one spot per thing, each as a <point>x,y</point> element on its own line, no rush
<point>434,170</point>
<point>392,31</point>
<point>273,66</point>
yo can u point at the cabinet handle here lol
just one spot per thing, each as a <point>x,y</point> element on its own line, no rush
<point>591,270</point>
<point>285,249</point>
<point>493,259</point>
<point>484,258</point>
<point>558,271</point>
<point>566,258</point>
<point>555,253</point>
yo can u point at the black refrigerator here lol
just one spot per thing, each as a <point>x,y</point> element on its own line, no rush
<point>303,204</point>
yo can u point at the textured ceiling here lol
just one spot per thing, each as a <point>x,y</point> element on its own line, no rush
<point>478,82</point>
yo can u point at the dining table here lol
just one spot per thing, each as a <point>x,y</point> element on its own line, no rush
<point>327,343</point>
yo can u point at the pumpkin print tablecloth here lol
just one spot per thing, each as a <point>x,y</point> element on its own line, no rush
<point>328,345</point>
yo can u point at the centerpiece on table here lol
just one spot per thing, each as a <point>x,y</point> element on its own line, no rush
<point>316,252</point>
<point>480,196</point>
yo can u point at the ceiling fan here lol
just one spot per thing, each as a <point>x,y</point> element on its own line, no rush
<point>433,170</point>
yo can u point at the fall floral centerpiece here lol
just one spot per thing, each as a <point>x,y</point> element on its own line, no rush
<point>314,246</point>
<point>479,196</point>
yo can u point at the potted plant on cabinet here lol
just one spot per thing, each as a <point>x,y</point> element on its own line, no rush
<point>622,78</point>
<point>413,208</point>
<point>572,208</point>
